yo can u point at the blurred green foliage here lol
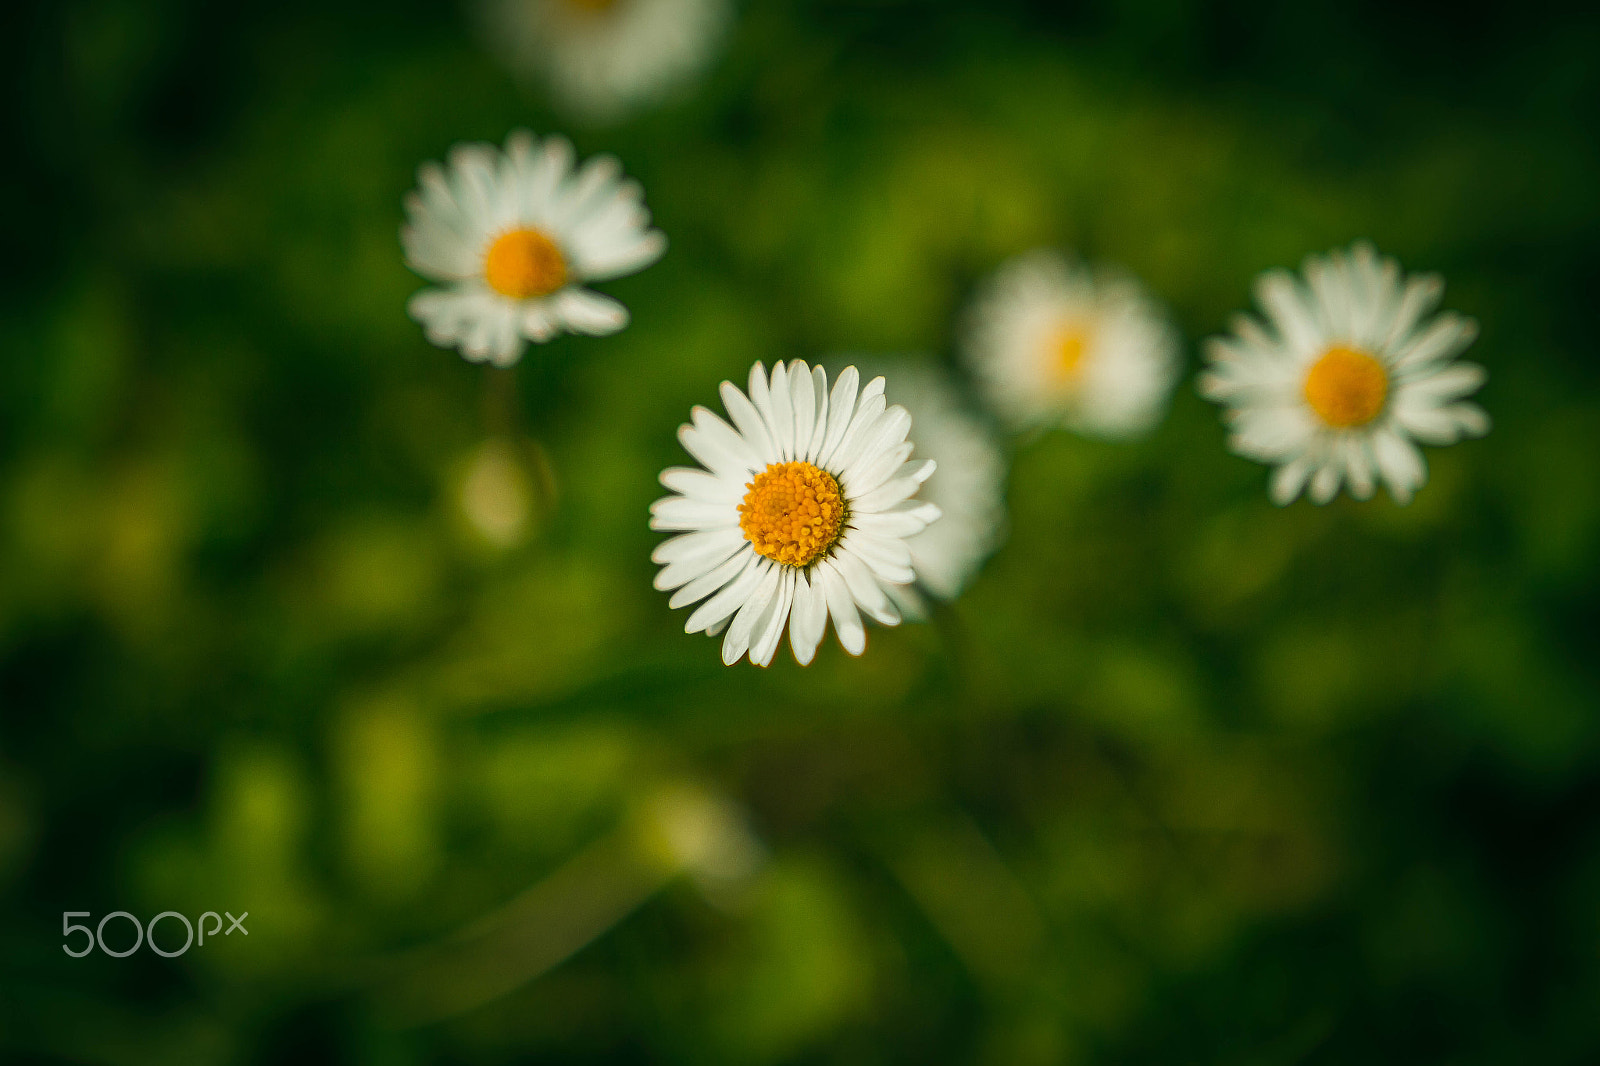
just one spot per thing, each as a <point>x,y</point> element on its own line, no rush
<point>301,616</point>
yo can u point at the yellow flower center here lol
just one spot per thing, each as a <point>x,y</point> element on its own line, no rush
<point>523,263</point>
<point>1067,350</point>
<point>593,6</point>
<point>1346,387</point>
<point>792,513</point>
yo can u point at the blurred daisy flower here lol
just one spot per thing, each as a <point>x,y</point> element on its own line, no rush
<point>1054,343</point>
<point>801,513</point>
<point>602,58</point>
<point>968,488</point>
<point>1349,371</point>
<point>513,236</point>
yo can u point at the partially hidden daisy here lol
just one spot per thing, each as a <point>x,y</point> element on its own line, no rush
<point>513,236</point>
<point>968,488</point>
<point>801,513</point>
<point>1055,343</point>
<point>1349,371</point>
<point>603,58</point>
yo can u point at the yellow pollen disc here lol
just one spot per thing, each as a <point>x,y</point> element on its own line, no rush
<point>792,513</point>
<point>523,263</point>
<point>1346,387</point>
<point>596,6</point>
<point>1067,351</point>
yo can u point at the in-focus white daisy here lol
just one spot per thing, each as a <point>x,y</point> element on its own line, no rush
<point>801,513</point>
<point>1054,343</point>
<point>968,489</point>
<point>603,58</point>
<point>1348,372</point>
<point>513,236</point>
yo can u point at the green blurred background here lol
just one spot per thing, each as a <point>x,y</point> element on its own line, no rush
<point>1183,778</point>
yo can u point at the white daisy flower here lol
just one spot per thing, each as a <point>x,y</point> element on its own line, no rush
<point>1348,372</point>
<point>603,58</point>
<point>513,236</point>
<point>968,489</point>
<point>1054,343</point>
<point>801,513</point>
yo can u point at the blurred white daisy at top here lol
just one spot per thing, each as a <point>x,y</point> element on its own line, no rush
<point>968,487</point>
<point>601,59</point>
<point>1055,343</point>
<point>512,236</point>
<point>801,513</point>
<point>1349,371</point>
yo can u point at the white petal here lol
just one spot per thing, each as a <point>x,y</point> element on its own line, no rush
<point>1435,425</point>
<point>808,620</point>
<point>1331,294</point>
<point>780,412</point>
<point>819,387</point>
<point>1289,479</point>
<point>1469,418</point>
<point>1445,336</point>
<point>842,608</point>
<point>1421,296</point>
<point>900,523</point>
<point>863,478</point>
<point>1283,299</point>
<point>547,173</point>
<point>804,405</point>
<point>769,630</point>
<point>438,246</point>
<point>622,257</point>
<point>680,512</point>
<point>1448,383</point>
<point>589,312</point>
<point>701,485</point>
<point>909,601</point>
<point>761,398</point>
<point>1324,483</point>
<point>1400,464</point>
<point>864,589</point>
<point>445,314</point>
<point>717,445</point>
<point>918,471</point>
<point>891,492</point>
<point>589,187</point>
<point>689,545</point>
<point>538,322</point>
<point>710,555</point>
<point>1358,468</point>
<point>888,559</point>
<point>841,409</point>
<point>737,640</point>
<point>691,571</point>
<point>492,337</point>
<point>708,581</point>
<point>1378,294</point>
<point>886,431</point>
<point>1272,432</point>
<point>750,423</point>
<point>711,614</point>
<point>869,408</point>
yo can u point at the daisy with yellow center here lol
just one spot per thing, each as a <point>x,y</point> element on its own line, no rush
<point>800,513</point>
<point>511,237</point>
<point>1053,343</point>
<point>601,59</point>
<point>1350,371</point>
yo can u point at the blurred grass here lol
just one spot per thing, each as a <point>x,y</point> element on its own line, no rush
<point>1182,777</point>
